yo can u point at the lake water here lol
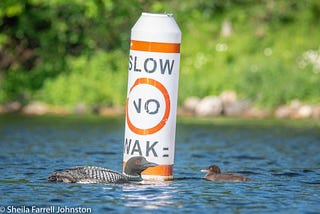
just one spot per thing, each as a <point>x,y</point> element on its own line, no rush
<point>281,157</point>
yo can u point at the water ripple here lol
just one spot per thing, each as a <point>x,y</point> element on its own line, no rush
<point>283,167</point>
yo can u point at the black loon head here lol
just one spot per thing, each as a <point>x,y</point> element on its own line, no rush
<point>136,165</point>
<point>213,169</point>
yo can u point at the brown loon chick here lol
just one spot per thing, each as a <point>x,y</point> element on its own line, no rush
<point>94,174</point>
<point>214,174</point>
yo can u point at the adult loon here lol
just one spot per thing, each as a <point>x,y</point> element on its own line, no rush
<point>214,174</point>
<point>94,174</point>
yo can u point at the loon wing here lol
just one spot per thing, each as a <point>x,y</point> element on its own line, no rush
<point>88,174</point>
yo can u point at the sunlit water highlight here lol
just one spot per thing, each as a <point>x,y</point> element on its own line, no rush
<point>283,161</point>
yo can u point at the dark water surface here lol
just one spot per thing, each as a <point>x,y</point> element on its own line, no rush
<point>282,158</point>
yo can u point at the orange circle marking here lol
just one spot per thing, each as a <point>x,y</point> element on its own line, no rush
<point>165,117</point>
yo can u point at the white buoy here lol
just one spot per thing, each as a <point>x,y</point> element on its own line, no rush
<point>152,94</point>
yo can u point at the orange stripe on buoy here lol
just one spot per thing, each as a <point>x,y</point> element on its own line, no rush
<point>155,46</point>
<point>163,170</point>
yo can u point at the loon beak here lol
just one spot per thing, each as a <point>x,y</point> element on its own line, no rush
<point>204,170</point>
<point>149,164</point>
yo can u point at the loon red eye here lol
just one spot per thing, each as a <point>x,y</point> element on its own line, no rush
<point>137,162</point>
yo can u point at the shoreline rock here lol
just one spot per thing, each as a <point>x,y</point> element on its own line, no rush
<point>209,106</point>
<point>35,108</point>
<point>298,110</point>
<point>227,104</point>
<point>224,105</point>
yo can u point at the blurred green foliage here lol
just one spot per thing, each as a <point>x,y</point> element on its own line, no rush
<point>89,82</point>
<point>66,52</point>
